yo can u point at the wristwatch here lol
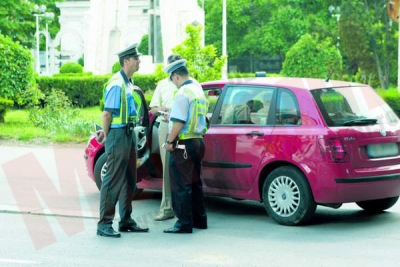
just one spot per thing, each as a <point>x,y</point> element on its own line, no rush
<point>169,142</point>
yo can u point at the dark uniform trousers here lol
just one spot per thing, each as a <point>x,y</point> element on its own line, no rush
<point>186,186</point>
<point>119,182</point>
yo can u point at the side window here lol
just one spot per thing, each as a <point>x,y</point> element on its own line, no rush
<point>287,112</point>
<point>212,95</point>
<point>262,104</point>
<point>245,105</point>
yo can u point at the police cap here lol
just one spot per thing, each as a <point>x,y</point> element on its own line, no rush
<point>131,50</point>
<point>174,66</point>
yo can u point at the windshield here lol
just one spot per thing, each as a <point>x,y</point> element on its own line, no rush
<point>353,106</point>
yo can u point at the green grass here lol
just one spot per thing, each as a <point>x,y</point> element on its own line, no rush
<point>17,126</point>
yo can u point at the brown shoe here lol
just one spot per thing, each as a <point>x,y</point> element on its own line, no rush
<point>163,217</point>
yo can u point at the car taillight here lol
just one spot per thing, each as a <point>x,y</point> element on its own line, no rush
<point>333,150</point>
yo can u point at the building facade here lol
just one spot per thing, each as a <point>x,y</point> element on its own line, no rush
<point>97,29</point>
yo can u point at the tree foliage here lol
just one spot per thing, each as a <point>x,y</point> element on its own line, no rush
<point>144,45</point>
<point>203,62</point>
<point>18,23</point>
<point>261,28</point>
<point>16,73</point>
<point>369,41</point>
<point>310,57</point>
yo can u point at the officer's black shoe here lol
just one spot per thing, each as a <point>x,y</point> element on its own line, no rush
<point>132,228</point>
<point>176,230</point>
<point>200,225</point>
<point>108,232</point>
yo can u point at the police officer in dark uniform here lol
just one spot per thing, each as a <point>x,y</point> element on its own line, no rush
<point>118,121</point>
<point>187,126</point>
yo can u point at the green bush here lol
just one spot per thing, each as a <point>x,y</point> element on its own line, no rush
<point>82,91</point>
<point>313,58</point>
<point>144,45</point>
<point>59,117</point>
<point>392,97</point>
<point>81,61</point>
<point>73,74</point>
<point>87,90</point>
<point>71,67</point>
<point>116,67</point>
<point>16,72</point>
<point>159,73</point>
<point>5,104</point>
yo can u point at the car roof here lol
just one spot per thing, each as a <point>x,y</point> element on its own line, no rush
<point>301,83</point>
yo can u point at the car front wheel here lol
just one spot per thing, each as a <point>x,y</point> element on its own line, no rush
<point>378,205</point>
<point>287,196</point>
<point>99,171</point>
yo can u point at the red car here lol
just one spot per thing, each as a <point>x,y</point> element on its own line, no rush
<point>290,143</point>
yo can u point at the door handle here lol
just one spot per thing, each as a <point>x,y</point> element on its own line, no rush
<point>255,133</point>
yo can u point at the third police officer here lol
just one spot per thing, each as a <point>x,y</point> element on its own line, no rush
<point>187,126</point>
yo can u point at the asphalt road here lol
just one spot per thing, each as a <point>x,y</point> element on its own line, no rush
<point>49,210</point>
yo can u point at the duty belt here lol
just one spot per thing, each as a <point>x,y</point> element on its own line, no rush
<point>129,127</point>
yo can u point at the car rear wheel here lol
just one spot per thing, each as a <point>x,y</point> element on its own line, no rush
<point>100,170</point>
<point>287,196</point>
<point>378,205</point>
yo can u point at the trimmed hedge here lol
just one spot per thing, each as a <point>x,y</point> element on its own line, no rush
<point>71,67</point>
<point>392,98</point>
<point>87,90</point>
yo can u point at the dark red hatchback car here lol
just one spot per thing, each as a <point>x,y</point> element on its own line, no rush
<point>290,143</point>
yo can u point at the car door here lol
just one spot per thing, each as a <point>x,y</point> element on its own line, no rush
<point>141,137</point>
<point>237,140</point>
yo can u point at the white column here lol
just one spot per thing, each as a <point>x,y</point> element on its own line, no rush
<point>47,49</point>
<point>225,68</point>
<point>398,52</point>
<point>37,44</point>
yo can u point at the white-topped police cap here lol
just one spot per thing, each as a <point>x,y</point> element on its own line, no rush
<point>174,66</point>
<point>131,50</point>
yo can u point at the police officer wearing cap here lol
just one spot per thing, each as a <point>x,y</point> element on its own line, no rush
<point>118,120</point>
<point>187,127</point>
<point>162,100</point>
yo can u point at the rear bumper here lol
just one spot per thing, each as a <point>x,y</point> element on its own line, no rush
<point>342,184</point>
<point>368,179</point>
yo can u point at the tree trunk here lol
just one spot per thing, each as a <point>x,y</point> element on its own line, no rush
<point>377,62</point>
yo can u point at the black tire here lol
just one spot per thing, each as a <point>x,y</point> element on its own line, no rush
<point>99,170</point>
<point>287,196</point>
<point>378,205</point>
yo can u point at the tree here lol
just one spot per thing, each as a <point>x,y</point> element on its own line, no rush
<point>16,73</point>
<point>203,62</point>
<point>368,40</point>
<point>310,57</point>
<point>259,28</point>
<point>144,45</point>
<point>17,20</point>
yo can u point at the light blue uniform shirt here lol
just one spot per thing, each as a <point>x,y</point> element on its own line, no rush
<point>112,97</point>
<point>183,107</point>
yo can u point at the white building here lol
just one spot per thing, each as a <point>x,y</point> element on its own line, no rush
<point>98,29</point>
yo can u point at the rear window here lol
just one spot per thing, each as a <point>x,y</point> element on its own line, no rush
<point>353,106</point>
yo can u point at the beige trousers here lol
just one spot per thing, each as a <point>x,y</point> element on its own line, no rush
<point>166,201</point>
